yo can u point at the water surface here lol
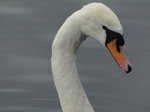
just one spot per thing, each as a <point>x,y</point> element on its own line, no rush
<point>27,29</point>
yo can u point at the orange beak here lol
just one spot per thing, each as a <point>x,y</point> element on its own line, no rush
<point>118,54</point>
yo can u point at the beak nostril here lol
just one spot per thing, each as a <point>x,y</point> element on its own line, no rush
<point>129,69</point>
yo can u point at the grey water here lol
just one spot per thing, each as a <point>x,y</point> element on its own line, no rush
<point>27,29</point>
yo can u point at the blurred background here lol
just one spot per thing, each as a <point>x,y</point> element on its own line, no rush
<point>27,29</point>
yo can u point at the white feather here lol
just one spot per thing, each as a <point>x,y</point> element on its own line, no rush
<point>86,21</point>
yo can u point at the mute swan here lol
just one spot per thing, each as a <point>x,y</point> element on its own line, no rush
<point>97,21</point>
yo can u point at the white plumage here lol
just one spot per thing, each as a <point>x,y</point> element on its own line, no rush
<point>87,21</point>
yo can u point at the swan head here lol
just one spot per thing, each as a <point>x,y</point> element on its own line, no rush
<point>100,22</point>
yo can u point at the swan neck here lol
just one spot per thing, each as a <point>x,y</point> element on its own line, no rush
<point>69,88</point>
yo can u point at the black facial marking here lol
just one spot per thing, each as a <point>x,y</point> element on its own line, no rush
<point>111,35</point>
<point>104,27</point>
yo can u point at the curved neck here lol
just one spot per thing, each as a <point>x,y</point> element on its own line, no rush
<point>70,91</point>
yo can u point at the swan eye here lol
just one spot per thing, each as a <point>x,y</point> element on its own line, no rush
<point>111,35</point>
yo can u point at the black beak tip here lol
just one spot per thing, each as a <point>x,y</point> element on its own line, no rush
<point>129,69</point>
